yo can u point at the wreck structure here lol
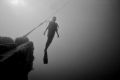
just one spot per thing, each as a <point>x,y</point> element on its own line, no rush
<point>16,58</point>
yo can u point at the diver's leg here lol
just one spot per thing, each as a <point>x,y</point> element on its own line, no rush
<point>48,43</point>
<point>49,40</point>
<point>45,59</point>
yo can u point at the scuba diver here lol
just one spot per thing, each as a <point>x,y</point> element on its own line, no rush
<point>52,28</point>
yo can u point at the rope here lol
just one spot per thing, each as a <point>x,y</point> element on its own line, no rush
<point>33,29</point>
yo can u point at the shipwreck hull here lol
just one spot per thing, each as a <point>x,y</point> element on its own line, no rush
<point>16,61</point>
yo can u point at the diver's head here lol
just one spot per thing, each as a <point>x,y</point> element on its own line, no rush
<point>54,18</point>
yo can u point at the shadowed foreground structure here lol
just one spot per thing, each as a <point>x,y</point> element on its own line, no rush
<point>17,66</point>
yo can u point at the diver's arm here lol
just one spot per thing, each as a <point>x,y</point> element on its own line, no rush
<point>45,30</point>
<point>47,27</point>
<point>57,30</point>
<point>57,33</point>
<point>57,26</point>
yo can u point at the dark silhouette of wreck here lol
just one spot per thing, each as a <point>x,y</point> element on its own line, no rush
<point>16,58</point>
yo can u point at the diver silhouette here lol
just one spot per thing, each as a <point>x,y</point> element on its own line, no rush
<point>52,28</point>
